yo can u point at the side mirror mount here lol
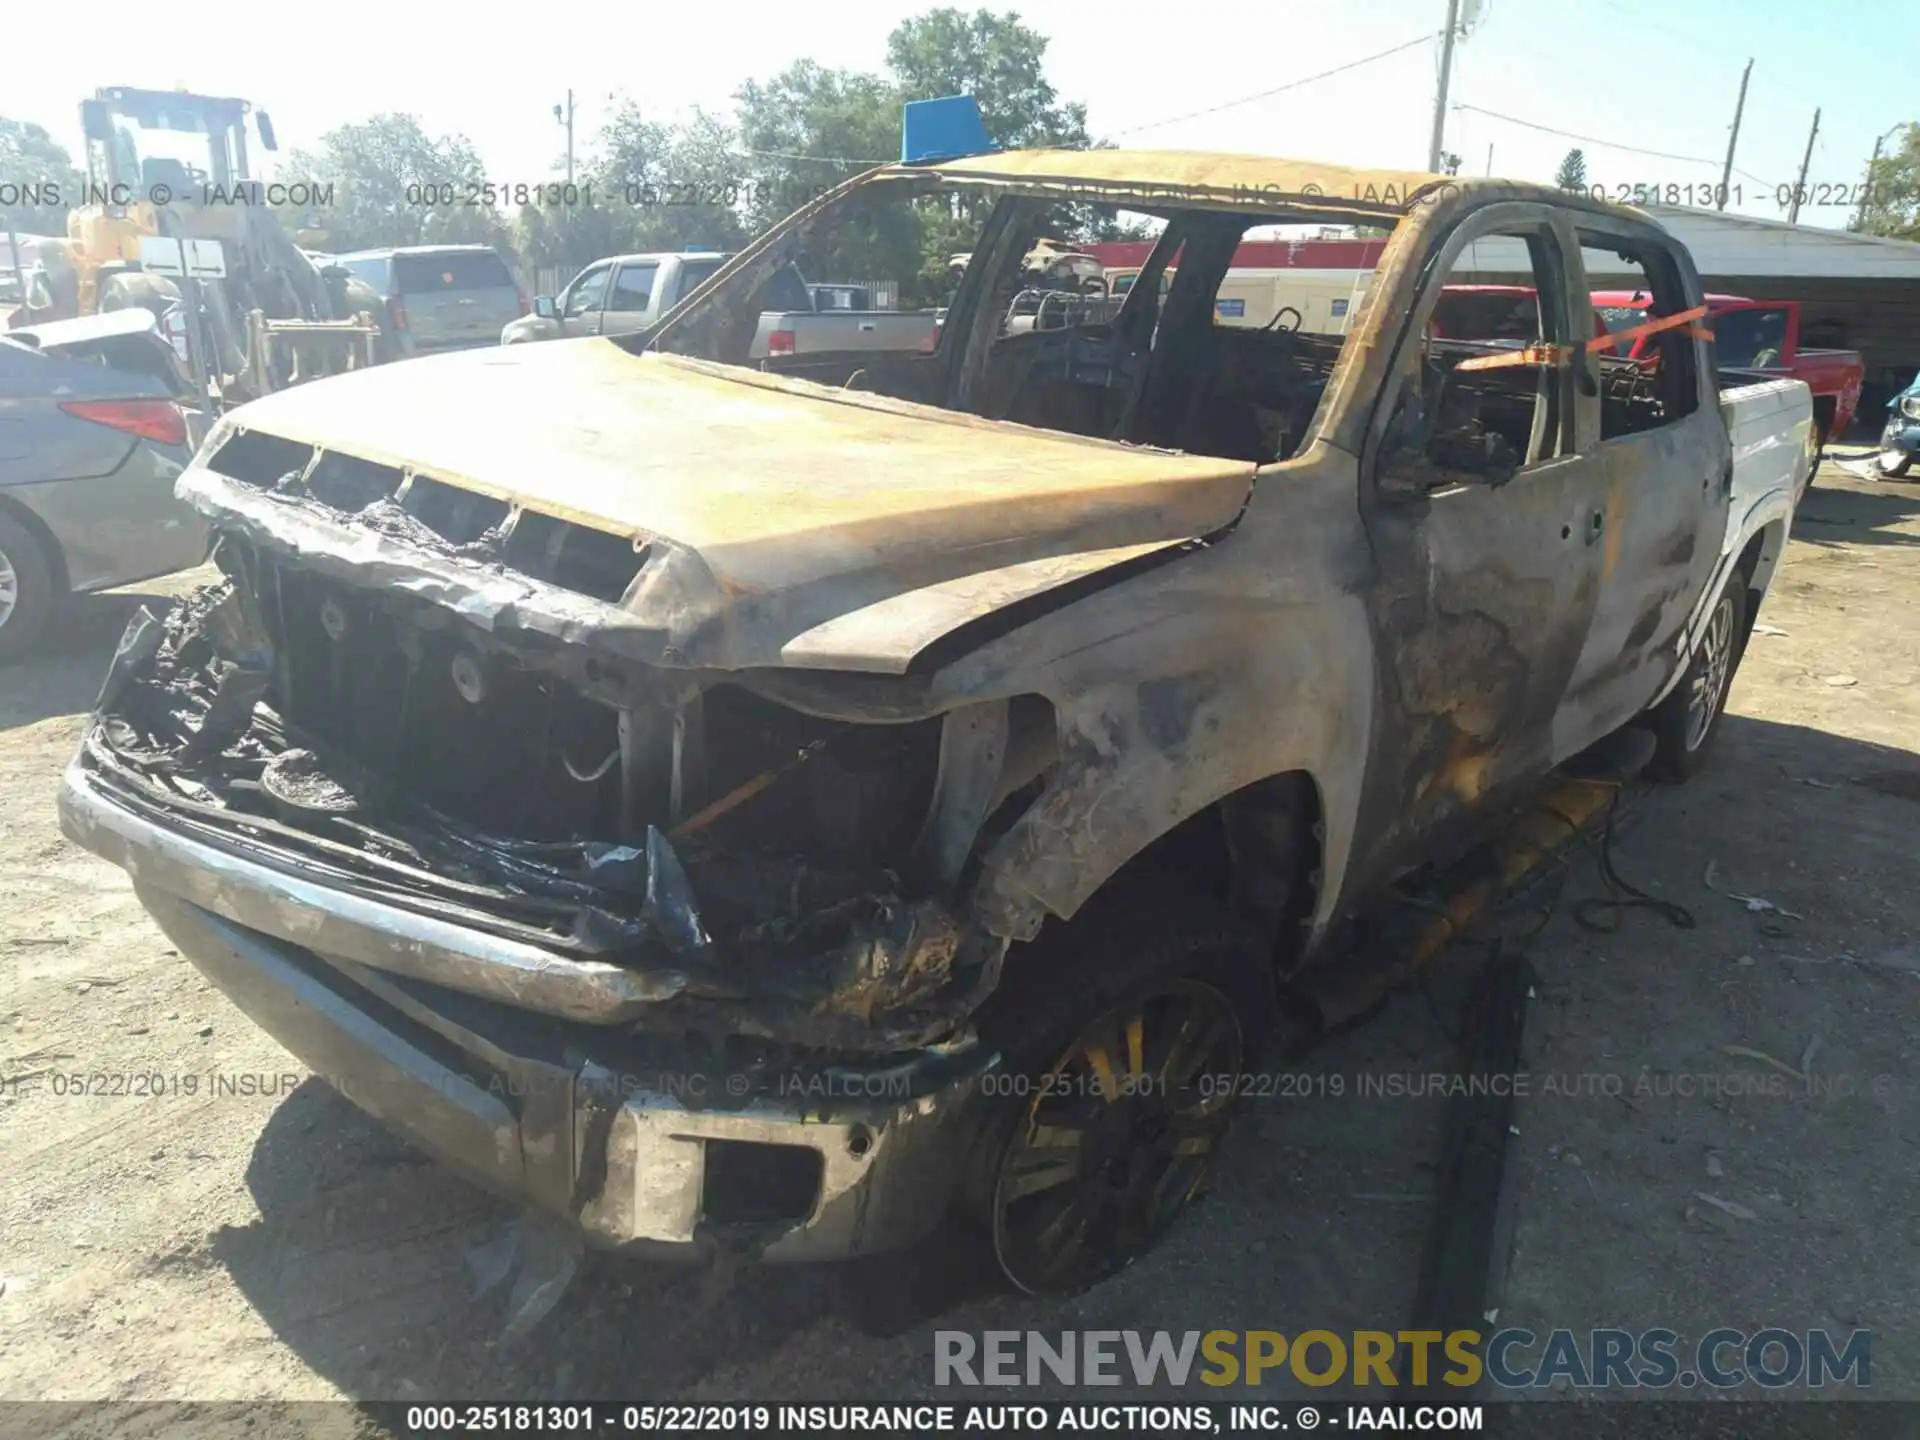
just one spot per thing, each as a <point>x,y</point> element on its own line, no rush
<point>1418,455</point>
<point>265,122</point>
<point>95,123</point>
<point>1406,472</point>
<point>546,307</point>
<point>1481,455</point>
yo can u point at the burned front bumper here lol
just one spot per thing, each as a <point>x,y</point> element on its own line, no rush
<point>646,1143</point>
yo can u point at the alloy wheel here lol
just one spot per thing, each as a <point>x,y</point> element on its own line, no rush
<point>9,588</point>
<point>1118,1136</point>
<point>1712,664</point>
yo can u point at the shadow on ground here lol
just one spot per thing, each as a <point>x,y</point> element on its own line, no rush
<point>62,675</point>
<point>1830,517</point>
<point>358,1261</point>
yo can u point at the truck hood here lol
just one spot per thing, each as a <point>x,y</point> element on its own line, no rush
<point>769,511</point>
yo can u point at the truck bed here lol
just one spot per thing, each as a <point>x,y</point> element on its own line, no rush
<point>1767,420</point>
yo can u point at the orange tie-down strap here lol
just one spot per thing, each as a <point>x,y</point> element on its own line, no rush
<point>1563,354</point>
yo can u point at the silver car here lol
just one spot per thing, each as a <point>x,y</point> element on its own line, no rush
<point>439,297</point>
<point>92,438</point>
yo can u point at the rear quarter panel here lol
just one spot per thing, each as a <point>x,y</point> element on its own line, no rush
<point>104,496</point>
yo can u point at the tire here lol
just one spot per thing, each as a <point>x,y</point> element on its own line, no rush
<point>360,296</point>
<point>1087,1149</point>
<point>137,290</point>
<point>27,591</point>
<point>1685,724</point>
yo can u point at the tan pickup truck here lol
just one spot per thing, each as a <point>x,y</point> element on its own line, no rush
<point>785,808</point>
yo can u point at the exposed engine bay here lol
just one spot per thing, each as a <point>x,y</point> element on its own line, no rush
<point>427,695</point>
<point>770,872</point>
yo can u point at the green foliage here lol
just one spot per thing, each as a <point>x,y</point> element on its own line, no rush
<point>645,186</point>
<point>995,59</point>
<point>1572,174</point>
<point>32,160</point>
<point>807,129</point>
<point>706,180</point>
<point>810,127</point>
<point>1893,190</point>
<point>393,184</point>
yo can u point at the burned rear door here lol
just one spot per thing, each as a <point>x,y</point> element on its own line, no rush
<point>1477,501</point>
<point>1654,426</point>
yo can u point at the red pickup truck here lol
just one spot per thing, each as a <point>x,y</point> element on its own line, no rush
<point>1761,335</point>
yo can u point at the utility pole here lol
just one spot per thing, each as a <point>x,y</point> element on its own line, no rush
<point>1866,190</point>
<point>1739,109</point>
<point>1446,75</point>
<point>1800,185</point>
<point>1860,220</point>
<point>566,119</point>
<point>1489,159</point>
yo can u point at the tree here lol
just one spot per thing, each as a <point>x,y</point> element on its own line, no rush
<point>645,185</point>
<point>804,131</point>
<point>1893,190</point>
<point>1572,174</point>
<point>665,185</point>
<point>393,184</point>
<point>995,59</point>
<point>810,127</point>
<point>38,180</point>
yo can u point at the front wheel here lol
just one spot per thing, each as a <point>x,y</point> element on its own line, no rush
<point>1120,1134</point>
<point>1126,1056</point>
<point>26,588</point>
<point>1685,723</point>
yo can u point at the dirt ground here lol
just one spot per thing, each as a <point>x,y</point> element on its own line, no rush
<point>264,1240</point>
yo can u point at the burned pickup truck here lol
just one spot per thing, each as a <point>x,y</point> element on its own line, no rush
<point>783,809</point>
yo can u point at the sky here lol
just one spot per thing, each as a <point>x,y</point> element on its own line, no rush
<point>1625,75</point>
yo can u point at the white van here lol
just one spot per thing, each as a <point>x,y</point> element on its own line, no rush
<point>1323,300</point>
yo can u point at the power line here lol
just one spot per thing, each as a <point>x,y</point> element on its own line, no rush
<point>1134,129</point>
<point>1606,144</point>
<point>1276,90</point>
<point>821,159</point>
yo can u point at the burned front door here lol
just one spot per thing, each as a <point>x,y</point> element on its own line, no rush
<point>1478,502</point>
<point>1654,425</point>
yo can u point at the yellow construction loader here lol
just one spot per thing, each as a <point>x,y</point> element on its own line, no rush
<point>250,309</point>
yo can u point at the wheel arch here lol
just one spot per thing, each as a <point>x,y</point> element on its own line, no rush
<point>1825,408</point>
<point>1761,558</point>
<point>1260,851</point>
<point>50,547</point>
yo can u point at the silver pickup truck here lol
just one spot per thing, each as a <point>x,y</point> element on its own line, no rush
<point>630,293</point>
<point>730,809</point>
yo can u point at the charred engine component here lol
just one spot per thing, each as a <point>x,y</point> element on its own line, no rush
<point>776,872</point>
